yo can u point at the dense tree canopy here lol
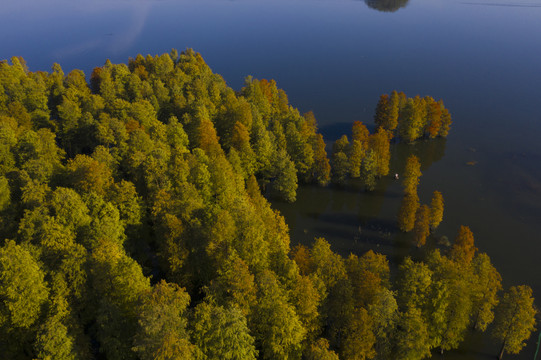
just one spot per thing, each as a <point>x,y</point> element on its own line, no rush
<point>138,227</point>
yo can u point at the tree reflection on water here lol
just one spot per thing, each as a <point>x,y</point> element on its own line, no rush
<point>386,5</point>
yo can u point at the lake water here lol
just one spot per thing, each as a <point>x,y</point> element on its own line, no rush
<point>335,57</point>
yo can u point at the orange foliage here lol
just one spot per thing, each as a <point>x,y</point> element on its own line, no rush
<point>463,249</point>
<point>301,255</point>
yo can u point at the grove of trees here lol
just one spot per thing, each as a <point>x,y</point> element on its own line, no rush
<point>136,223</point>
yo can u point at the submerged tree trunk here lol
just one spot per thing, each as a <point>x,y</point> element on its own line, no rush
<point>501,351</point>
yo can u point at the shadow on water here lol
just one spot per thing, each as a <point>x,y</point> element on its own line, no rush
<point>386,5</point>
<point>428,152</point>
<point>520,183</point>
<point>333,132</point>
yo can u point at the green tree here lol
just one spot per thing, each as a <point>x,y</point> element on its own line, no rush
<point>450,307</point>
<point>285,184</point>
<point>338,310</point>
<point>118,283</point>
<point>341,145</point>
<point>5,193</point>
<point>414,282</point>
<point>411,338</point>
<point>340,167</point>
<point>54,342</point>
<point>328,266</point>
<point>515,319</point>
<point>319,350</point>
<point>486,284</point>
<point>384,312</point>
<point>369,170</point>
<point>359,338</point>
<point>235,284</point>
<point>23,289</point>
<point>300,150</point>
<point>277,329</point>
<point>356,155</point>
<point>240,140</point>
<point>307,299</point>
<point>222,333</point>
<point>162,320</point>
<point>340,161</point>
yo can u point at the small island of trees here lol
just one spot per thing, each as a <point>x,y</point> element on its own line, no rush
<point>136,223</point>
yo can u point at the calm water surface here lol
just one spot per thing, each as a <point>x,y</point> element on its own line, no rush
<point>335,57</point>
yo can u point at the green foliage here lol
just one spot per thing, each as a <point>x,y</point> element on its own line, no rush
<point>412,118</point>
<point>411,339</point>
<point>307,299</point>
<point>5,193</point>
<point>161,332</point>
<point>356,156</point>
<point>486,284</point>
<point>384,312</point>
<point>340,168</point>
<point>277,329</point>
<point>515,319</point>
<point>54,342</point>
<point>285,184</point>
<point>222,333</point>
<point>451,306</point>
<point>319,350</point>
<point>328,266</point>
<point>158,170</point>
<point>359,337</point>
<point>23,289</point>
<point>369,170</point>
<point>414,284</point>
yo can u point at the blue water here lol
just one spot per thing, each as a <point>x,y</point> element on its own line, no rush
<point>335,57</point>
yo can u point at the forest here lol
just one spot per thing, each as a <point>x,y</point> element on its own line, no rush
<point>137,224</point>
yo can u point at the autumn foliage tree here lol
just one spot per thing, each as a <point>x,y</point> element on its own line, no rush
<point>135,208</point>
<point>436,210</point>
<point>421,228</point>
<point>407,211</point>
<point>412,173</point>
<point>412,118</point>
<point>463,248</point>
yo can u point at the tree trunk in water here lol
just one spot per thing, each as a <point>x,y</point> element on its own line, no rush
<point>501,351</point>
